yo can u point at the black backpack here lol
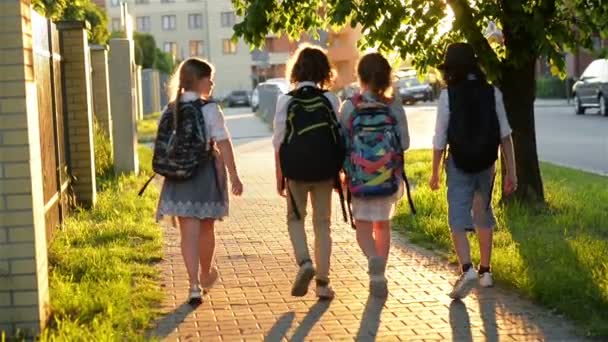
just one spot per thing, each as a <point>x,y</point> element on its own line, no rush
<point>474,130</point>
<point>313,149</point>
<point>181,143</point>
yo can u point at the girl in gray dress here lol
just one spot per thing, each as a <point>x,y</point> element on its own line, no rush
<point>202,199</point>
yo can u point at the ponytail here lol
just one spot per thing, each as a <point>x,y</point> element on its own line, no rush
<point>176,106</point>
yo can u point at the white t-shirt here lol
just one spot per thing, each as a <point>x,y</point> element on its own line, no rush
<point>440,140</point>
<point>280,116</point>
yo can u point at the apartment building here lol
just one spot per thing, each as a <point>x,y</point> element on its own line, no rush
<point>341,46</point>
<point>185,28</point>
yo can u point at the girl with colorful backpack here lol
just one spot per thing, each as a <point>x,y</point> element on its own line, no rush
<point>192,151</point>
<point>376,133</point>
<point>309,153</point>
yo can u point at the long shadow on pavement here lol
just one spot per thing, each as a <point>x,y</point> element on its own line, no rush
<point>487,311</point>
<point>169,322</point>
<point>370,321</point>
<point>460,322</point>
<point>313,316</point>
<point>280,328</point>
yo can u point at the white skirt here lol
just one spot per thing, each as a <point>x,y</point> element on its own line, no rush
<point>376,209</point>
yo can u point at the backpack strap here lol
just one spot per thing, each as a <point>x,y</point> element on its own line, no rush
<point>143,188</point>
<point>294,205</point>
<point>349,200</point>
<point>338,186</point>
<point>409,195</point>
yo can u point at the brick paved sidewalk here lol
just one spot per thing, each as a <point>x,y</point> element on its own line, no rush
<point>252,299</point>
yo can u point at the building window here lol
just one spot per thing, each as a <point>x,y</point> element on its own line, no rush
<point>229,47</point>
<point>196,48</point>
<point>169,22</point>
<point>142,2</point>
<point>195,21</point>
<point>228,19</point>
<point>170,47</point>
<point>143,24</point>
<point>114,3</point>
<point>116,24</point>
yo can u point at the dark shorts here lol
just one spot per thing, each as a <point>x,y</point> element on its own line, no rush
<point>469,198</point>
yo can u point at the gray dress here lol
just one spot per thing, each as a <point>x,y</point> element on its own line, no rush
<point>204,196</point>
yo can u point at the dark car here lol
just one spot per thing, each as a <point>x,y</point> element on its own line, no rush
<point>591,90</point>
<point>412,90</point>
<point>237,98</point>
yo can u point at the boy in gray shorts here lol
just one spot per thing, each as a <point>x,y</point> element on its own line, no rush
<point>472,121</point>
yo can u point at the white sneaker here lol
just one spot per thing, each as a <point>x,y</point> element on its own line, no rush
<point>378,285</point>
<point>464,284</point>
<point>303,278</point>
<point>208,281</point>
<point>486,280</point>
<point>325,292</point>
<point>195,297</point>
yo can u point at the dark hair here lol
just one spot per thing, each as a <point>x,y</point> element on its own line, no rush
<point>455,75</point>
<point>310,63</point>
<point>376,73</point>
<point>186,77</point>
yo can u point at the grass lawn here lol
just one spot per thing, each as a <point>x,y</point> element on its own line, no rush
<point>103,282</point>
<point>557,255</point>
<point>146,128</point>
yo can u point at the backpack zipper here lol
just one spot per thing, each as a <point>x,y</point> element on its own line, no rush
<point>310,128</point>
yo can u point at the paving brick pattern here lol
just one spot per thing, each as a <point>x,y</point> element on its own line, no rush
<point>252,302</point>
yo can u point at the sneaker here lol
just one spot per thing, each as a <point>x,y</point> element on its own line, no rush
<point>486,280</point>
<point>303,278</point>
<point>195,297</point>
<point>378,285</point>
<point>325,292</point>
<point>464,284</point>
<point>208,281</point>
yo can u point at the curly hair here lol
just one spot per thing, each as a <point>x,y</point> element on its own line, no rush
<point>310,63</point>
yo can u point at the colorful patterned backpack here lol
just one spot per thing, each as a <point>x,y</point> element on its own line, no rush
<point>374,159</point>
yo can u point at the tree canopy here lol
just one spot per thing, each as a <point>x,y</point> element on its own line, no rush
<point>77,10</point>
<point>421,29</point>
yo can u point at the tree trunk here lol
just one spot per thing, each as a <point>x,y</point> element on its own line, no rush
<point>518,85</point>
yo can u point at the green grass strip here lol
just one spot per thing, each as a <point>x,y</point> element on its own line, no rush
<point>557,255</point>
<point>103,282</point>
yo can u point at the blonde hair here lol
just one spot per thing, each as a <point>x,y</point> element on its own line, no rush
<point>310,63</point>
<point>376,73</point>
<point>185,78</point>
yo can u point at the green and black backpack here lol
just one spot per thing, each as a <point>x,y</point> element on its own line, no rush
<point>313,149</point>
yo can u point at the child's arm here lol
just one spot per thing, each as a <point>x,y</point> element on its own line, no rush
<point>437,155</point>
<point>440,138</point>
<point>227,153</point>
<point>506,146</point>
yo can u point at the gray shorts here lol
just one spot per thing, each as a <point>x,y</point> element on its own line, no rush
<point>469,198</point>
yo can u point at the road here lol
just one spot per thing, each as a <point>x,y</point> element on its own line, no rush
<point>563,138</point>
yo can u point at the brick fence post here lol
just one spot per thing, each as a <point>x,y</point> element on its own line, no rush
<point>124,105</point>
<point>79,108</point>
<point>101,88</point>
<point>23,250</point>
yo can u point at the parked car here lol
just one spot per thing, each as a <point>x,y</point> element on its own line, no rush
<point>255,99</point>
<point>237,98</point>
<point>412,90</point>
<point>591,90</point>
